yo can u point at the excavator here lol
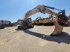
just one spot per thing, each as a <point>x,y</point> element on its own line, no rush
<point>49,21</point>
<point>60,21</point>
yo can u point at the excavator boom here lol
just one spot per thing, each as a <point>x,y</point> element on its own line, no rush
<point>42,9</point>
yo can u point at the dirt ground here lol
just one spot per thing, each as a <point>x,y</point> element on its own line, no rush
<point>37,39</point>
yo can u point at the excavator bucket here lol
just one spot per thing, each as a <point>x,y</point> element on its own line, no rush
<point>58,28</point>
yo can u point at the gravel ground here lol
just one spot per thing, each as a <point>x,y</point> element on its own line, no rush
<point>37,39</point>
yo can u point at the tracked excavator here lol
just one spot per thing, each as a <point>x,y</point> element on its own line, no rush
<point>44,21</point>
<point>60,21</point>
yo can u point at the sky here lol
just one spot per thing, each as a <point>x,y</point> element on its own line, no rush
<point>13,10</point>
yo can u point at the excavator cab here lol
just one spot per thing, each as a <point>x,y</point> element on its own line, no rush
<point>26,24</point>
